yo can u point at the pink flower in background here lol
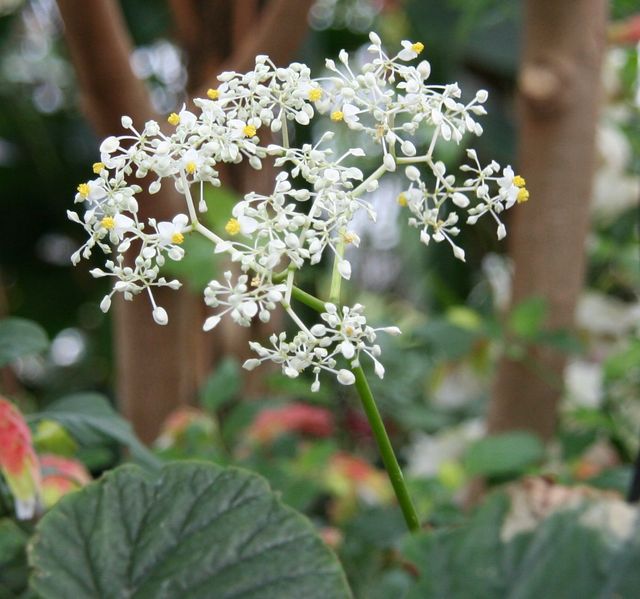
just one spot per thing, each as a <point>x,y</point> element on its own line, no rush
<point>179,422</point>
<point>61,476</point>
<point>18,461</point>
<point>292,418</point>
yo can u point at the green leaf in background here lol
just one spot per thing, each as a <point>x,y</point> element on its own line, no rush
<point>527,318</point>
<point>20,337</point>
<point>90,420</point>
<point>222,386</point>
<point>191,531</point>
<point>13,560</point>
<point>507,453</point>
<point>200,264</point>
<point>588,552</point>
<point>50,437</point>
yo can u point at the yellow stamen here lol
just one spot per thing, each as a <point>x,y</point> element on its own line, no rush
<point>191,167</point>
<point>249,130</point>
<point>83,190</point>
<point>402,199</point>
<point>523,196</point>
<point>174,119</point>
<point>519,181</point>
<point>232,227</point>
<point>417,47</point>
<point>98,167</point>
<point>337,115</point>
<point>108,223</point>
<point>349,237</point>
<point>256,281</point>
<point>349,330</point>
<point>213,94</point>
<point>177,238</point>
<point>315,94</point>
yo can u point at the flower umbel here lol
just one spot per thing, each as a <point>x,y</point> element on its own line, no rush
<point>387,102</point>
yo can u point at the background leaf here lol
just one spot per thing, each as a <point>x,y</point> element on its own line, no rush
<point>527,317</point>
<point>195,530</point>
<point>20,337</point>
<point>508,453</point>
<point>90,419</point>
<point>590,552</point>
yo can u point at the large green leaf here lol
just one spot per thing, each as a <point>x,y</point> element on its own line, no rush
<point>90,419</point>
<point>507,453</point>
<point>20,337</point>
<point>589,552</point>
<point>13,560</point>
<point>193,531</point>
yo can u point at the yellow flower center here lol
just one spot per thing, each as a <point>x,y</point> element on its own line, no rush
<point>108,223</point>
<point>348,330</point>
<point>402,199</point>
<point>249,130</point>
<point>98,167</point>
<point>349,237</point>
<point>315,94</point>
<point>337,115</point>
<point>523,196</point>
<point>417,47</point>
<point>213,94</point>
<point>83,190</point>
<point>519,181</point>
<point>232,227</point>
<point>191,167</point>
<point>177,238</point>
<point>174,119</point>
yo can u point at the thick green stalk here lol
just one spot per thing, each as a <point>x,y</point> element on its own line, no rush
<point>386,450</point>
<point>336,277</point>
<point>377,426</point>
<point>307,299</point>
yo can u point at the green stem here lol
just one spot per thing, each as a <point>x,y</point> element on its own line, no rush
<point>307,299</point>
<point>386,450</point>
<point>377,426</point>
<point>336,277</point>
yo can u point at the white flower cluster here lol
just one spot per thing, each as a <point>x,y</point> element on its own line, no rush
<point>315,195</point>
<point>344,334</point>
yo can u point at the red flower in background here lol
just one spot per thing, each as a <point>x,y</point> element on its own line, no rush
<point>61,476</point>
<point>293,418</point>
<point>18,460</point>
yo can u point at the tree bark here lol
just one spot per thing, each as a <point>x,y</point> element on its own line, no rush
<point>559,97</point>
<point>155,369</point>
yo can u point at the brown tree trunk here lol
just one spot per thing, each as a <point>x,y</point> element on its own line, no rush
<point>559,95</point>
<point>155,371</point>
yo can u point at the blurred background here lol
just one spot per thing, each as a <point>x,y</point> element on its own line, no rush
<point>523,360</point>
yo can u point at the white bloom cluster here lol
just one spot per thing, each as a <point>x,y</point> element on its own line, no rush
<point>344,334</point>
<point>315,195</point>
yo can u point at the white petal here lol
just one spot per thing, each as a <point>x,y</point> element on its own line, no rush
<point>160,315</point>
<point>210,323</point>
<point>344,268</point>
<point>347,349</point>
<point>395,331</point>
<point>346,377</point>
<point>249,308</point>
<point>251,363</point>
<point>389,162</point>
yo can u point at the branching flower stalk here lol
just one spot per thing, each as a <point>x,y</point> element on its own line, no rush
<point>386,104</point>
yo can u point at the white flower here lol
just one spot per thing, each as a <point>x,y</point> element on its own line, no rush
<point>393,118</point>
<point>410,50</point>
<point>172,233</point>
